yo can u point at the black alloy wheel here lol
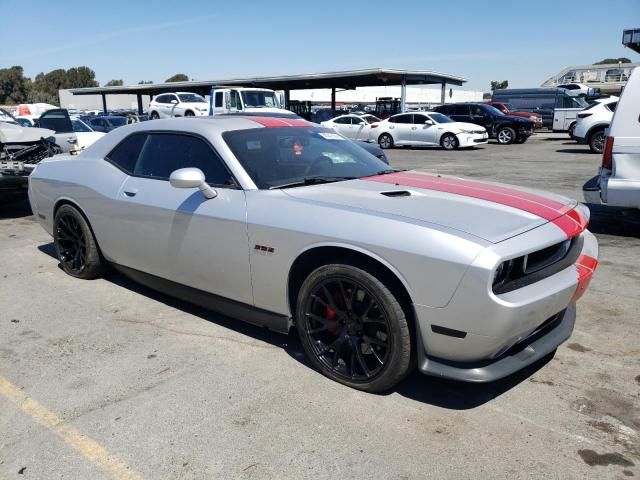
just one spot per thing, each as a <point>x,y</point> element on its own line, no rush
<point>75,244</point>
<point>353,329</point>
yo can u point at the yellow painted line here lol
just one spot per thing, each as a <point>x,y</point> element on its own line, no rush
<point>73,437</point>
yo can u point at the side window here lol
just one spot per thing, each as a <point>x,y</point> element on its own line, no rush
<point>461,110</point>
<point>342,120</point>
<point>165,152</point>
<point>171,98</point>
<point>218,99</point>
<point>612,106</point>
<point>404,118</point>
<point>234,100</point>
<point>445,109</point>
<point>160,98</point>
<point>356,120</point>
<point>127,152</point>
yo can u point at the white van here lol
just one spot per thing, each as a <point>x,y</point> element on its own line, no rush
<point>618,181</point>
<point>245,99</point>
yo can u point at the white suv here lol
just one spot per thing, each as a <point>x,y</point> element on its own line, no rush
<point>179,104</point>
<point>592,122</point>
<point>618,181</point>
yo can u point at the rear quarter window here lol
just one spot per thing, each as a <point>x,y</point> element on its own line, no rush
<point>125,154</point>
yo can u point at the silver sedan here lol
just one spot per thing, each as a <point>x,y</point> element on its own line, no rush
<point>285,224</point>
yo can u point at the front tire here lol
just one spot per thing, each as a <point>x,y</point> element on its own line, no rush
<point>572,128</point>
<point>75,245</point>
<point>189,113</point>
<point>353,329</point>
<point>385,141</point>
<point>596,141</point>
<point>449,141</point>
<point>506,136</point>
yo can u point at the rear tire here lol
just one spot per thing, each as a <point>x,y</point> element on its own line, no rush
<point>353,328</point>
<point>154,116</point>
<point>596,141</point>
<point>385,141</point>
<point>506,136</point>
<point>75,245</point>
<point>449,141</point>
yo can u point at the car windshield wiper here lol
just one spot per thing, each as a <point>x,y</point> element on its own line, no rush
<point>311,181</point>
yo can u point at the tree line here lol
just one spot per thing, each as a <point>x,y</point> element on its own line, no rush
<point>15,88</point>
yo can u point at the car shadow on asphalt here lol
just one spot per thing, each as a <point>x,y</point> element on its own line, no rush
<point>439,392</point>
<point>580,151</point>
<point>14,206</point>
<point>621,222</point>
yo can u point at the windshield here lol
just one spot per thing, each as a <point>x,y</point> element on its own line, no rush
<point>259,99</point>
<point>370,118</point>
<point>191,98</point>
<point>440,118</point>
<point>492,110</point>
<point>580,102</point>
<point>275,157</point>
<point>80,126</point>
<point>6,116</point>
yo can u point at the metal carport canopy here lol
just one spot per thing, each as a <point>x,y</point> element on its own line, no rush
<point>348,80</point>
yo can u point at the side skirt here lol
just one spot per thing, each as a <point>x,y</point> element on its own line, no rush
<point>230,308</point>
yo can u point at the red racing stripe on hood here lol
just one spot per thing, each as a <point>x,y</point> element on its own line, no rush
<point>563,216</point>
<point>271,122</point>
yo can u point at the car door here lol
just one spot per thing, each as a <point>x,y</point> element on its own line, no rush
<point>173,106</point>
<point>424,130</point>
<point>58,120</point>
<point>460,113</point>
<point>401,128</point>
<point>360,128</point>
<point>343,126</point>
<point>480,116</point>
<point>177,233</point>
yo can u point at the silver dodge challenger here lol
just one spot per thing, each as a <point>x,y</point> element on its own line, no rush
<point>283,224</point>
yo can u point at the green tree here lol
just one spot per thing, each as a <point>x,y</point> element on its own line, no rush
<point>14,87</point>
<point>613,60</point>
<point>145,82</point>
<point>114,83</point>
<point>178,77</point>
<point>495,85</point>
<point>46,85</point>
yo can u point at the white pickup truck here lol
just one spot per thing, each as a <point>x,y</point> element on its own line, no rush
<point>246,99</point>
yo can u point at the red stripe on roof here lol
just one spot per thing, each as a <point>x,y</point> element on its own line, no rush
<point>272,122</point>
<point>549,209</point>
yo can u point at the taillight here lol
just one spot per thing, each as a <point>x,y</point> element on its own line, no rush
<point>607,160</point>
<point>584,115</point>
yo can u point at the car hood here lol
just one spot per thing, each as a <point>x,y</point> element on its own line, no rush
<point>513,118</point>
<point>465,126</point>
<point>87,138</point>
<point>10,133</point>
<point>490,211</point>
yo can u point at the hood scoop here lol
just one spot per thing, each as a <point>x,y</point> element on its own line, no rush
<point>396,193</point>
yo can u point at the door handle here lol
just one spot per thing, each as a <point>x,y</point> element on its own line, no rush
<point>131,192</point>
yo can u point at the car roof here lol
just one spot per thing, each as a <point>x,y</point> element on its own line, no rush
<point>220,123</point>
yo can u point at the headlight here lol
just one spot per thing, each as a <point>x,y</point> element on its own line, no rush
<point>462,130</point>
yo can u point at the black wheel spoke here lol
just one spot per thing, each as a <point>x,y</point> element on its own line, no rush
<point>72,244</point>
<point>362,361</point>
<point>343,311</point>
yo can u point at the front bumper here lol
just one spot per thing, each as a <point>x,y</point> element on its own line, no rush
<point>478,326</point>
<point>472,139</point>
<point>540,343</point>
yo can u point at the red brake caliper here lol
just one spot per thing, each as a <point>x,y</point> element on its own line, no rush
<point>330,314</point>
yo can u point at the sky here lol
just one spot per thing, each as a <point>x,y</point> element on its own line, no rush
<point>524,42</point>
